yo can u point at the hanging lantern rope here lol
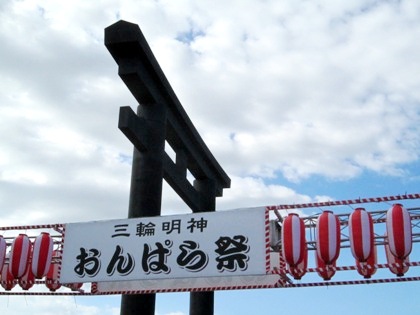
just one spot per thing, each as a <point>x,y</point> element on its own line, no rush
<point>350,282</point>
<point>344,202</point>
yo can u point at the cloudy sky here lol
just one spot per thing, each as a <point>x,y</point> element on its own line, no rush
<point>298,100</point>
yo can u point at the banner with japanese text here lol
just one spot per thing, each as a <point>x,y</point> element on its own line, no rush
<point>207,244</point>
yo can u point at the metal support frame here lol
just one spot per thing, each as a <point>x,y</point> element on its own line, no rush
<point>160,117</point>
<point>378,216</point>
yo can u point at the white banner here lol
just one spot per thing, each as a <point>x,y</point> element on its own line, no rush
<point>207,244</point>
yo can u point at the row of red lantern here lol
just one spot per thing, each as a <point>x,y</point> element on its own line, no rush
<point>361,234</point>
<point>28,261</point>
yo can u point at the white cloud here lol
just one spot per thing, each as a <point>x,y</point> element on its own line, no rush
<point>277,89</point>
<point>306,90</point>
<point>253,192</point>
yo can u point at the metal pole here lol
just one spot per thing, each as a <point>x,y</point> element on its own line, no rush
<point>146,191</point>
<point>202,303</point>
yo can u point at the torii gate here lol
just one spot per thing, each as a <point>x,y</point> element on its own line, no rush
<point>160,116</point>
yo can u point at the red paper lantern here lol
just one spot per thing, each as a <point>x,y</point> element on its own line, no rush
<point>325,271</point>
<point>328,237</point>
<point>73,286</point>
<point>19,255</point>
<point>395,264</point>
<point>300,269</point>
<point>398,227</point>
<point>3,247</point>
<point>7,279</point>
<point>27,281</point>
<point>361,234</point>
<point>293,239</point>
<point>368,268</point>
<point>51,280</point>
<point>42,255</point>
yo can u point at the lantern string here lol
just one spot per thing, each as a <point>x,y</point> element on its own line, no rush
<point>350,282</point>
<point>345,202</point>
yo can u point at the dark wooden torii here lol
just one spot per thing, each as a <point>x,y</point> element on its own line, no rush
<point>160,117</point>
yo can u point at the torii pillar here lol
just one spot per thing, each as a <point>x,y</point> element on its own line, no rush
<point>160,117</point>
